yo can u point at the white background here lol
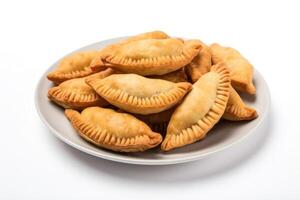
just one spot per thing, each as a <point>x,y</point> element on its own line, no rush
<point>36,165</point>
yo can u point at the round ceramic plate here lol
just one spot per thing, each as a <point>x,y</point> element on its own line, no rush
<point>222,136</point>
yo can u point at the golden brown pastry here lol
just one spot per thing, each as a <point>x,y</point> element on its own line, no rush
<point>236,110</point>
<point>137,94</point>
<point>112,130</point>
<point>175,77</point>
<point>76,94</point>
<point>240,68</point>
<point>151,56</point>
<point>200,65</point>
<point>74,66</point>
<point>97,62</point>
<point>200,110</point>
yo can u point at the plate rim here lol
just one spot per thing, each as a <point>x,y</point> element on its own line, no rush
<point>140,161</point>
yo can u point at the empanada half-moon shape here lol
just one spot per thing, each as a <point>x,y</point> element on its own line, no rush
<point>137,94</point>
<point>200,65</point>
<point>240,68</point>
<point>200,110</point>
<point>152,56</point>
<point>236,109</point>
<point>76,94</point>
<point>175,77</point>
<point>97,62</point>
<point>76,65</point>
<point>112,130</point>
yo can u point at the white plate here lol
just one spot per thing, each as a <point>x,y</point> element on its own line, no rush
<point>222,136</point>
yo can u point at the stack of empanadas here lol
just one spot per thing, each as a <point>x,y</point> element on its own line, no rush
<point>150,90</point>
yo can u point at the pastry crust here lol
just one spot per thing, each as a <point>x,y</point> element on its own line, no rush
<point>112,130</point>
<point>137,94</point>
<point>76,94</point>
<point>76,65</point>
<point>240,68</point>
<point>151,56</point>
<point>236,110</point>
<point>175,77</point>
<point>97,62</point>
<point>201,109</point>
<point>200,65</point>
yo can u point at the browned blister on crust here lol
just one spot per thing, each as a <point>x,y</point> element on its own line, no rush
<point>200,65</point>
<point>76,94</point>
<point>112,130</point>
<point>76,65</point>
<point>236,109</point>
<point>200,110</point>
<point>140,95</point>
<point>151,56</point>
<point>240,68</point>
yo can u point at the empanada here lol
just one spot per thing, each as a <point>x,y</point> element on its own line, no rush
<point>236,110</point>
<point>76,65</point>
<point>137,94</point>
<point>97,62</point>
<point>76,94</point>
<point>200,65</point>
<point>175,77</point>
<point>240,68</point>
<point>151,56</point>
<point>112,130</point>
<point>200,110</point>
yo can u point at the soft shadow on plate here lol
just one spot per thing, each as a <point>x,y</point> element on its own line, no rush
<point>207,168</point>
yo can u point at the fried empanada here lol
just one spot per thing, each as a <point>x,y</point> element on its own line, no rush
<point>137,94</point>
<point>175,77</point>
<point>76,65</point>
<point>240,68</point>
<point>236,110</point>
<point>76,94</point>
<point>97,62</point>
<point>200,65</point>
<point>151,56</point>
<point>112,130</point>
<point>200,110</point>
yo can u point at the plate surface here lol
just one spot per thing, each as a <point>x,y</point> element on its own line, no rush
<point>222,136</point>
